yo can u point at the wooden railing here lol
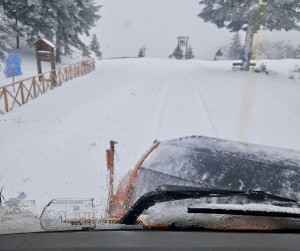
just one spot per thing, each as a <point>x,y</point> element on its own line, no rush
<point>19,93</point>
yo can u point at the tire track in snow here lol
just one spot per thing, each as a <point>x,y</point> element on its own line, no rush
<point>181,111</point>
<point>162,105</point>
<point>208,114</point>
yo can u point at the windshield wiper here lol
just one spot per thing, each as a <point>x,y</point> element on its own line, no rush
<point>241,212</point>
<point>166,193</point>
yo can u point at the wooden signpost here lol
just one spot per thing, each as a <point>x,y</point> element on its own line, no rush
<point>44,52</point>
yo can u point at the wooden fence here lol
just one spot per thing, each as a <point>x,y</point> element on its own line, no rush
<point>21,92</point>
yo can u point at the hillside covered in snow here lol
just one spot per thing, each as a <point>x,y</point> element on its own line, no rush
<point>54,146</point>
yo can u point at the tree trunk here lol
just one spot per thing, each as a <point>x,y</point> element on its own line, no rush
<point>18,35</point>
<point>58,50</point>
<point>248,47</point>
<point>18,41</point>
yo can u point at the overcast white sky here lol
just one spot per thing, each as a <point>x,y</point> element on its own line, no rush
<point>128,24</point>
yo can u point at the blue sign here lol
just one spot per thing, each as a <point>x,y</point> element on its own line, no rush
<point>13,66</point>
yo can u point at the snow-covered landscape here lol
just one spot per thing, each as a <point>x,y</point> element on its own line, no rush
<point>163,71</point>
<point>54,146</point>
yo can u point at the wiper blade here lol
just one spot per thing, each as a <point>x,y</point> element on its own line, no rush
<point>250,194</point>
<point>241,212</point>
<point>166,193</point>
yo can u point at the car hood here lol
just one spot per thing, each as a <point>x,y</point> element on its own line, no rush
<point>218,163</point>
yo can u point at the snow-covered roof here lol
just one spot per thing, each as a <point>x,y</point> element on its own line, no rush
<point>46,41</point>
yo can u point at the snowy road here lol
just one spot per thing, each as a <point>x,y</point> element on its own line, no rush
<point>54,147</point>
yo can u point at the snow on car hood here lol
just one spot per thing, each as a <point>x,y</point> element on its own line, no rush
<point>217,163</point>
<point>174,214</point>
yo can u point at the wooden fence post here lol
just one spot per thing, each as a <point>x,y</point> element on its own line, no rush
<point>42,79</point>
<point>5,99</point>
<point>52,80</point>
<point>34,88</point>
<point>59,77</point>
<point>22,93</point>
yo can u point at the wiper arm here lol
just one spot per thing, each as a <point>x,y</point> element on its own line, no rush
<point>166,193</point>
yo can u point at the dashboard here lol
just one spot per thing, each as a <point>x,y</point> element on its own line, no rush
<point>150,240</point>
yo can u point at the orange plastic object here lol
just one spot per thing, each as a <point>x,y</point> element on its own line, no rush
<point>121,200</point>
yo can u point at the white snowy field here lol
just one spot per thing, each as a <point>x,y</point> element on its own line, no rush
<point>54,147</point>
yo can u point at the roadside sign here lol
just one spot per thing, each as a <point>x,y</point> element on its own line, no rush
<point>13,66</point>
<point>183,40</point>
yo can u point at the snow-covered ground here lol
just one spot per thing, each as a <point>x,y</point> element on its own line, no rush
<point>54,147</point>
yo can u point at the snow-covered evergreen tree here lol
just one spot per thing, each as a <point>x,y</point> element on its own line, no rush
<point>218,55</point>
<point>279,49</point>
<point>43,21</point>
<point>3,20</point>
<point>177,53</point>
<point>18,11</point>
<point>95,47</point>
<point>82,16</point>
<point>235,49</point>
<point>251,16</point>
<point>190,53</point>
<point>60,21</point>
<point>72,19</point>
<point>5,30</point>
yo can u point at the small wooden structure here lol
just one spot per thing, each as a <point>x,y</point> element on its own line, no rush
<point>239,66</point>
<point>44,52</point>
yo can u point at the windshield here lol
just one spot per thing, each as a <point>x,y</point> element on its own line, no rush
<point>103,101</point>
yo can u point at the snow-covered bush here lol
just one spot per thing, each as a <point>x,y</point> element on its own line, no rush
<point>279,49</point>
<point>295,73</point>
<point>262,68</point>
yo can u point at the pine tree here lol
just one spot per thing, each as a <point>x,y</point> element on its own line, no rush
<point>250,16</point>
<point>177,53</point>
<point>95,47</point>
<point>43,21</point>
<point>18,11</point>
<point>219,54</point>
<point>64,21</point>
<point>236,50</point>
<point>3,23</point>
<point>73,18</point>
<point>5,30</point>
<point>190,53</point>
